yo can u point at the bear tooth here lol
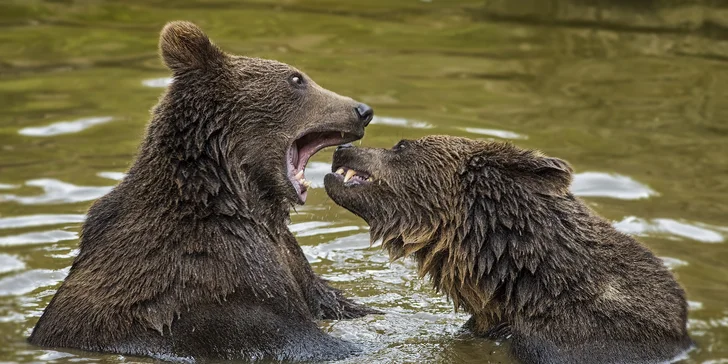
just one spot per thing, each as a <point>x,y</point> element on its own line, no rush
<point>350,173</point>
<point>299,175</point>
<point>306,183</point>
<point>342,135</point>
<point>340,171</point>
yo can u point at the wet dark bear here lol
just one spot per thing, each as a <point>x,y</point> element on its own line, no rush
<point>190,255</point>
<point>497,230</point>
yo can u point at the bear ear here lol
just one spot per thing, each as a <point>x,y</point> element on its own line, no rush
<point>555,172</point>
<point>185,47</point>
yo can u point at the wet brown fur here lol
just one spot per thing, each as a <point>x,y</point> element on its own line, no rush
<point>497,230</point>
<point>190,256</point>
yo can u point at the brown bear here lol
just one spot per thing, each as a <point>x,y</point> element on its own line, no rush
<point>497,231</point>
<point>190,255</point>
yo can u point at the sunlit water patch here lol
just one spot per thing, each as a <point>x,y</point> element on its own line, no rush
<point>671,228</point>
<point>415,316</point>
<point>316,171</point>
<point>55,192</point>
<point>39,220</point>
<point>64,127</point>
<point>9,263</point>
<point>673,263</point>
<point>158,82</point>
<point>5,186</point>
<point>400,122</point>
<point>597,184</point>
<point>116,176</point>
<point>40,237</point>
<point>31,280</point>
<point>503,134</point>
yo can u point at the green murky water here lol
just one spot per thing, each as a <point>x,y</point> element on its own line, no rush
<point>635,97</point>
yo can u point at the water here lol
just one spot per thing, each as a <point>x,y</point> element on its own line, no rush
<point>634,96</point>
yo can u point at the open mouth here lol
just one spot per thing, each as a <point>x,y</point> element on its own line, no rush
<point>301,151</point>
<point>352,177</point>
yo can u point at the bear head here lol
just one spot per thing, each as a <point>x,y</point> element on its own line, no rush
<point>243,125</point>
<point>443,199</point>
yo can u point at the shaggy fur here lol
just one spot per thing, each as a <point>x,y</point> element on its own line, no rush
<point>497,230</point>
<point>190,256</point>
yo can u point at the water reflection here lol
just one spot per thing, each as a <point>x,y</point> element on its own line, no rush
<point>158,82</point>
<point>597,184</point>
<point>673,263</point>
<point>55,191</point>
<point>39,220</point>
<point>400,122</point>
<point>316,171</point>
<point>503,134</point>
<point>64,127</point>
<point>671,228</point>
<point>31,280</point>
<point>9,263</point>
<point>632,89</point>
<point>40,237</point>
<point>116,176</point>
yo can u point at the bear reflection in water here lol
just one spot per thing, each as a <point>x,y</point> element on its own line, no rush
<point>190,255</point>
<point>496,230</point>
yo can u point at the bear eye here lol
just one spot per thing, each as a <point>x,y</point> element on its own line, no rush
<point>403,144</point>
<point>297,80</point>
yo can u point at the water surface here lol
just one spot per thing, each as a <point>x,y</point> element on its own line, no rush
<point>634,96</point>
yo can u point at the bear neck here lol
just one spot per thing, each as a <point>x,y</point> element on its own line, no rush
<point>489,261</point>
<point>199,173</point>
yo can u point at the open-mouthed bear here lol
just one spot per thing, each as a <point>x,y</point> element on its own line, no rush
<point>497,230</point>
<point>190,255</point>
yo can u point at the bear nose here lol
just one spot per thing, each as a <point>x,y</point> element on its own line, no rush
<point>365,113</point>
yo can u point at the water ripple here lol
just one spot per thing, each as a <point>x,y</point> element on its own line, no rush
<point>4,186</point>
<point>31,280</point>
<point>325,231</point>
<point>316,171</point>
<point>56,191</point>
<point>9,263</point>
<point>677,229</point>
<point>64,127</point>
<point>158,82</point>
<point>39,220</point>
<point>597,184</point>
<point>503,134</point>
<point>308,225</point>
<point>673,263</point>
<point>42,237</point>
<point>401,122</point>
<point>116,176</point>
